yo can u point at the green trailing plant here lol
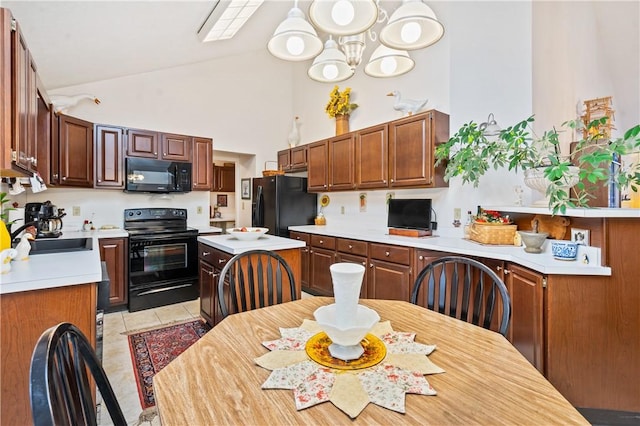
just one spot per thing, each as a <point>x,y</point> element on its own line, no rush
<point>5,208</point>
<point>469,154</point>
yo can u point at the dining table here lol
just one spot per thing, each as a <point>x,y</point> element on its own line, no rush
<point>486,381</point>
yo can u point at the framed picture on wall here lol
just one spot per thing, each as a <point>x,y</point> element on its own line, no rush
<point>245,188</point>
<point>222,200</point>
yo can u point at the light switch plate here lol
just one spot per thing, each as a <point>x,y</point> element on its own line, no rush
<point>580,236</point>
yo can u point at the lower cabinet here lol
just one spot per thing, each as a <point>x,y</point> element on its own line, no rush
<point>304,256</point>
<point>211,262</point>
<point>320,260</point>
<point>114,252</point>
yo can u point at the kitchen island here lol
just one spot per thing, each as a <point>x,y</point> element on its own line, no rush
<point>216,250</point>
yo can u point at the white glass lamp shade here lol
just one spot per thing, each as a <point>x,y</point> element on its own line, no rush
<point>387,62</point>
<point>295,39</point>
<point>331,65</point>
<point>343,17</point>
<point>412,26</point>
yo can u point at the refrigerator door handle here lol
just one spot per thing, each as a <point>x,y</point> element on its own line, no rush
<point>259,211</point>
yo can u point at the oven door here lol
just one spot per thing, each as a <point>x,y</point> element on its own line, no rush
<point>163,269</point>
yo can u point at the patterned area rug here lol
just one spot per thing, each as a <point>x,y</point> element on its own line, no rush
<point>152,350</point>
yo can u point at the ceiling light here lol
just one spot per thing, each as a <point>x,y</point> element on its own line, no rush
<point>343,17</point>
<point>387,62</point>
<point>412,26</point>
<point>226,18</point>
<point>295,39</point>
<point>331,65</point>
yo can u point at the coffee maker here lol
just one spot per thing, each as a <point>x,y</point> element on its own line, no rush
<point>46,217</point>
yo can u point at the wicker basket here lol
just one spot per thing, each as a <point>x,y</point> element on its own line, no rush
<point>493,233</point>
<point>267,172</point>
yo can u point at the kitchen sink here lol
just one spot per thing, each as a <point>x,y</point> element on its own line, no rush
<point>57,245</point>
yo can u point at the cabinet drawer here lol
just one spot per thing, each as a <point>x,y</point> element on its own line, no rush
<point>300,236</point>
<point>323,241</point>
<point>394,254</point>
<point>352,246</point>
<point>213,256</point>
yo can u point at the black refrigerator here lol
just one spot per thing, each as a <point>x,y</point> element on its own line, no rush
<point>282,201</point>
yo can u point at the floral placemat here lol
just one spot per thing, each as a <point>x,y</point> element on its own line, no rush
<point>402,371</point>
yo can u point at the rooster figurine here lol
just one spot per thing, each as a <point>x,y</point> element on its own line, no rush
<point>294,134</point>
<point>62,103</point>
<point>407,106</point>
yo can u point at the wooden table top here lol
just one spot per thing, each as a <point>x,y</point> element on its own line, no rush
<point>487,381</point>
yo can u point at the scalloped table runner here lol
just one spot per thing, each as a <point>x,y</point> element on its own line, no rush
<point>401,371</point>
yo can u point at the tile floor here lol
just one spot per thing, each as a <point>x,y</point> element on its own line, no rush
<point>117,357</point>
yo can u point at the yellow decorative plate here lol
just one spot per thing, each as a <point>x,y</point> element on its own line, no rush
<point>324,200</point>
<point>317,348</point>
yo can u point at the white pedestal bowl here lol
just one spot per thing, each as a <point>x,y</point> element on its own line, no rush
<point>346,338</point>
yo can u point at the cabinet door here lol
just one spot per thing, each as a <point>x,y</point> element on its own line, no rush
<point>304,257</point>
<point>227,179</point>
<point>109,157</point>
<point>526,329</point>
<point>318,166</point>
<point>342,162</point>
<point>142,143</point>
<point>372,157</point>
<point>319,274</point>
<point>422,258</point>
<point>207,285</point>
<point>410,151</point>
<point>298,158</point>
<point>390,281</point>
<point>202,164</point>
<point>284,160</point>
<point>350,258</point>
<point>176,147</point>
<point>75,152</point>
<point>114,252</point>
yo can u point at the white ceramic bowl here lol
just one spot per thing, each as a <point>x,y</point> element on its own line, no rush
<point>564,250</point>
<point>250,234</point>
<point>346,336</point>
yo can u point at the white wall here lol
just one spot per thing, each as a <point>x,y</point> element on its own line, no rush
<point>513,59</point>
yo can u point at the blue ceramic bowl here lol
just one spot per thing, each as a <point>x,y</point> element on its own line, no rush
<point>564,250</point>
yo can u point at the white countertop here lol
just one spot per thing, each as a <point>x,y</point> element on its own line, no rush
<point>543,262</point>
<point>229,244</point>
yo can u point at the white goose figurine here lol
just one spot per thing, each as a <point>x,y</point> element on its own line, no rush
<point>61,103</point>
<point>407,106</point>
<point>24,247</point>
<point>294,134</point>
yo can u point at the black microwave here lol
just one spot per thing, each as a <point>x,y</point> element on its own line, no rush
<point>159,176</point>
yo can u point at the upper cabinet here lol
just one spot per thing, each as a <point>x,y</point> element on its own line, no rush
<point>162,146</point>
<point>202,177</point>
<point>24,106</point>
<point>397,154</point>
<point>293,159</point>
<point>224,178</point>
<point>72,155</point>
<point>109,158</point>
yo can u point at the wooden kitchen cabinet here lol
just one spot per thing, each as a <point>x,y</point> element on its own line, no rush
<point>202,172</point>
<point>109,158</point>
<point>211,262</point>
<point>321,256</point>
<point>161,146</point>
<point>371,157</point>
<point>412,142</point>
<point>342,162</point>
<point>72,154</point>
<point>304,256</point>
<point>526,330</point>
<point>114,251</point>
<point>175,147</point>
<point>390,272</point>
<point>293,159</point>
<point>354,251</point>
<point>224,178</point>
<point>318,166</point>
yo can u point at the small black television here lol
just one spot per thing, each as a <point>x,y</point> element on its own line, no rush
<point>410,213</point>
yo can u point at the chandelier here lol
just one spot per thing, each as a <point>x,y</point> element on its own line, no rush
<point>412,26</point>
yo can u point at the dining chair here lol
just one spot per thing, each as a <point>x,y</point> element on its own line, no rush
<point>60,389</point>
<point>465,289</point>
<point>255,279</point>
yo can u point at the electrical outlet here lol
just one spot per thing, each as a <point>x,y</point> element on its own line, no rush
<point>341,209</point>
<point>76,211</point>
<point>199,210</point>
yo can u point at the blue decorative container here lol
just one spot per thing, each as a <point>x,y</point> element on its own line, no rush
<point>564,250</point>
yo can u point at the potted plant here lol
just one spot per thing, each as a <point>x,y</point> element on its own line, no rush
<point>471,152</point>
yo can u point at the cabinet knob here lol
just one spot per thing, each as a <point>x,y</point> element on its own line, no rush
<point>498,268</point>
<point>206,253</point>
<point>420,257</point>
<point>55,176</point>
<point>325,185</point>
<point>222,260</point>
<point>305,250</point>
<point>321,241</point>
<point>210,273</point>
<point>507,272</point>
<point>155,153</point>
<point>384,181</point>
<point>350,247</point>
<point>371,265</point>
<point>386,253</point>
<point>64,178</point>
<point>391,180</point>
